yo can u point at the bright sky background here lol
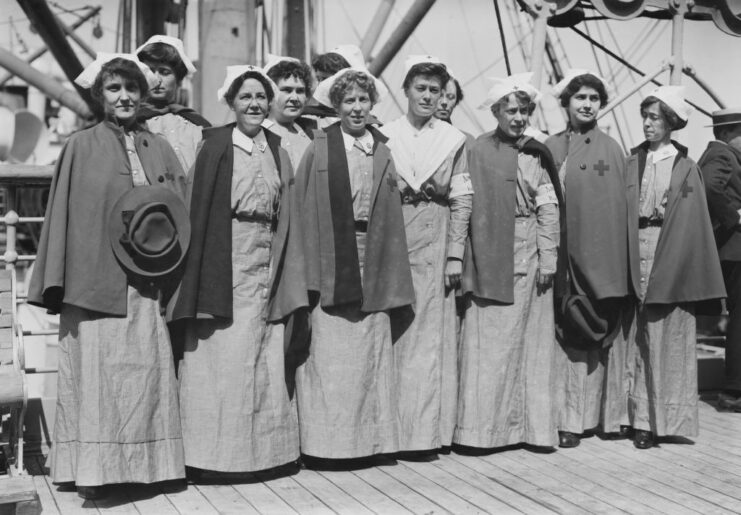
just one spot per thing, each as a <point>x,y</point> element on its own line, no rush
<point>464,34</point>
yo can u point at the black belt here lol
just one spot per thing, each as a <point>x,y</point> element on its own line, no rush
<point>410,196</point>
<point>361,225</point>
<point>644,222</point>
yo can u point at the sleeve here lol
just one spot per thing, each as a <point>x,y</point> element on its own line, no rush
<point>716,172</point>
<point>460,198</point>
<point>47,283</point>
<point>548,229</point>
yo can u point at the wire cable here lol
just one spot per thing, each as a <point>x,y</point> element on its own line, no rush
<point>501,35</point>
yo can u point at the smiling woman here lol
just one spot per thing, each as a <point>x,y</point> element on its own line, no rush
<point>236,412</point>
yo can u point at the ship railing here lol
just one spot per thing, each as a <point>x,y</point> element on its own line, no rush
<point>13,370</point>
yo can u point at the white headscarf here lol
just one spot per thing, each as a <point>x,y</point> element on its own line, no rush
<point>90,73</point>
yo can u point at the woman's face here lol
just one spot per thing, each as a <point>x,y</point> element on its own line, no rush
<point>354,110</point>
<point>166,88</point>
<point>448,101</point>
<point>290,100</point>
<point>584,105</point>
<point>511,115</point>
<point>423,95</point>
<point>250,105</point>
<point>655,128</point>
<point>121,98</point>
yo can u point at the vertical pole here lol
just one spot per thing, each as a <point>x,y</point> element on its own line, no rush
<point>679,7</point>
<point>11,220</point>
<point>295,30</point>
<point>126,29</point>
<point>540,13</point>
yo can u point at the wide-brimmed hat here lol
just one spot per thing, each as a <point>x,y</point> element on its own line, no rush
<point>588,322</point>
<point>149,230</point>
<point>175,43</point>
<point>730,116</point>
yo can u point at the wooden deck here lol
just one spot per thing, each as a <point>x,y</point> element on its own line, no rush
<point>600,476</point>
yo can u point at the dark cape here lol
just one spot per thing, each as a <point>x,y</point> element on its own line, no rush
<point>488,269</point>
<point>316,242</point>
<point>75,263</point>
<point>686,265</point>
<point>594,229</point>
<point>206,288</point>
<point>147,111</point>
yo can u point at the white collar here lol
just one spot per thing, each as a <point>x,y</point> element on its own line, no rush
<point>664,152</point>
<point>241,140</point>
<point>430,124</point>
<point>366,140</point>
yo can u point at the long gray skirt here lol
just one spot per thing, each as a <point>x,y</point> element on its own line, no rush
<point>506,361</point>
<point>345,387</point>
<point>236,412</point>
<point>425,354</point>
<point>117,415</point>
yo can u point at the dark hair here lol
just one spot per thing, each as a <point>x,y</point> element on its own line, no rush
<point>127,69</point>
<point>349,79</point>
<point>458,90</point>
<point>237,84</point>
<point>287,69</point>
<point>329,63</point>
<point>521,97</point>
<point>671,119</point>
<point>435,70</point>
<point>163,53</point>
<point>580,81</point>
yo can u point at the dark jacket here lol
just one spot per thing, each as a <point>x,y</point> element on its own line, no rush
<point>488,270</point>
<point>594,227</point>
<point>206,288</point>
<point>75,262</point>
<point>686,266</point>
<point>721,170</point>
<point>316,242</point>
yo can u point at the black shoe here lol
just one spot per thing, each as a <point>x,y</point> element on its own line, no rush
<point>90,492</point>
<point>625,431</point>
<point>643,439</point>
<point>567,440</point>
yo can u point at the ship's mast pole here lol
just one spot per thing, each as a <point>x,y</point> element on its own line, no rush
<point>540,12</point>
<point>679,8</point>
<point>376,26</point>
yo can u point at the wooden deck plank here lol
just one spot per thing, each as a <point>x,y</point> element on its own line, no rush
<point>583,495</point>
<point>150,499</point>
<point>607,476</point>
<point>264,500</point>
<point>187,500</point>
<point>297,497</point>
<point>657,477</point>
<point>502,492</point>
<point>469,493</point>
<point>226,499</point>
<point>530,490</point>
<point>603,461</point>
<point>48,504</point>
<point>714,492</point>
<point>398,491</point>
<point>440,496</point>
<point>69,503</point>
<point>336,499</point>
<point>365,494</point>
<point>615,493</point>
<point>696,465</point>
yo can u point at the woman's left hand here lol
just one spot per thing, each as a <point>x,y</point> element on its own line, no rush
<point>453,272</point>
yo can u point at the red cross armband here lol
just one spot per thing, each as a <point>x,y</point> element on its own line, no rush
<point>545,194</point>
